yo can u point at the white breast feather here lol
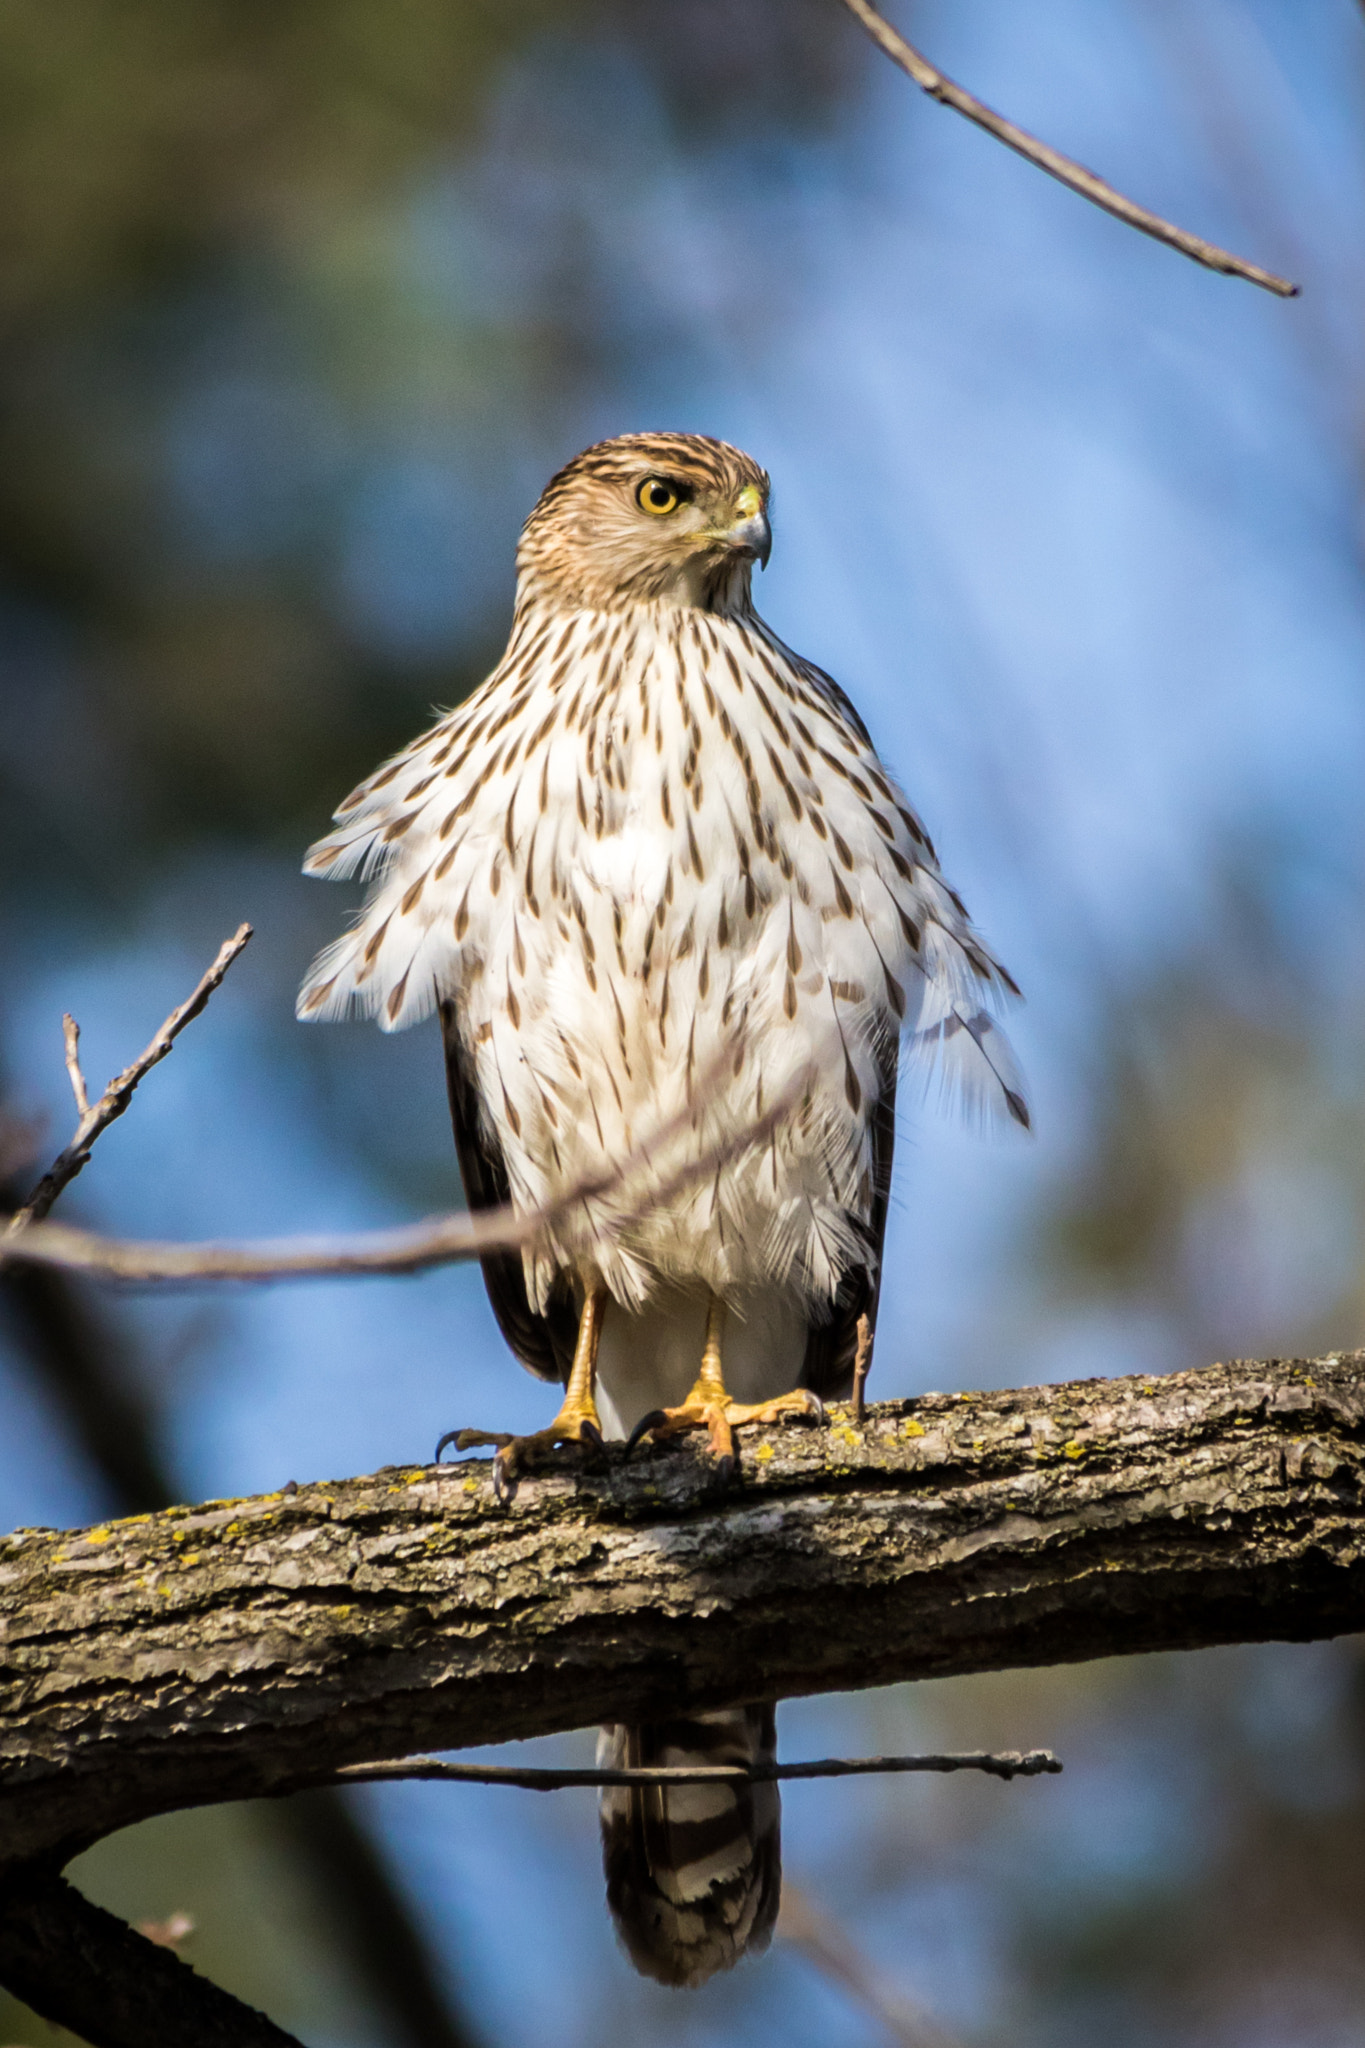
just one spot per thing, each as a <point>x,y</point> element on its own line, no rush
<point>668,883</point>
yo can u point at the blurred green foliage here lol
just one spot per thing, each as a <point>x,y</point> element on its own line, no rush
<point>258,1929</point>
<point>206,222</point>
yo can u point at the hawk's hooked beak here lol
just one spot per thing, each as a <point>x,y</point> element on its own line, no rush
<point>751,535</point>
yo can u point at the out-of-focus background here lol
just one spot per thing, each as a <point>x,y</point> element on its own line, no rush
<point>299,306</point>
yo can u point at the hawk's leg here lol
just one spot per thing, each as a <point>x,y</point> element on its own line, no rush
<point>576,1423</point>
<point>710,1407</point>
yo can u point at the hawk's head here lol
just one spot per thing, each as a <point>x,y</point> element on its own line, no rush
<point>677,518</point>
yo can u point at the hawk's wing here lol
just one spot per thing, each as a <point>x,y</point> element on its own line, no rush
<point>830,1347</point>
<point>544,1344</point>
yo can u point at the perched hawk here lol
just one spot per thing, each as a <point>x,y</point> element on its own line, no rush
<point>673,911</point>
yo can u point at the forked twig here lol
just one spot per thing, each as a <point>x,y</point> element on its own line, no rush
<point>119,1093</point>
<point>1008,1763</point>
<point>1064,168</point>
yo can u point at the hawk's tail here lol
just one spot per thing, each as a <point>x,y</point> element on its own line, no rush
<point>694,1872</point>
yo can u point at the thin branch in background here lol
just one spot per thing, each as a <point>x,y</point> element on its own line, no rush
<point>411,1248</point>
<point>71,1039</point>
<point>119,1093</point>
<point>1064,168</point>
<point>1009,1763</point>
<point>837,1956</point>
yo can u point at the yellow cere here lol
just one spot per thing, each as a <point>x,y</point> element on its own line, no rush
<point>749,503</point>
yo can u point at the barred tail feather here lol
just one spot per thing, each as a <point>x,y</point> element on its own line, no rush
<point>694,1872</point>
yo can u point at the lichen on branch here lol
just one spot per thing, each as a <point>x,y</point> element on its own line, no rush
<point>250,1647</point>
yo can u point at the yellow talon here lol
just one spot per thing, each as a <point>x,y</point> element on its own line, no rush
<point>576,1423</point>
<point>709,1406</point>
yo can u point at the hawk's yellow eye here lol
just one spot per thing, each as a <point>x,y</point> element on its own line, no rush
<point>657,495</point>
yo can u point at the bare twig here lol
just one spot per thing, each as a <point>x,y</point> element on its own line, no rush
<point>862,1366</point>
<point>1009,1763</point>
<point>837,1956</point>
<point>441,1240</point>
<point>411,1248</point>
<point>1064,168</point>
<point>71,1039</point>
<point>119,1093</point>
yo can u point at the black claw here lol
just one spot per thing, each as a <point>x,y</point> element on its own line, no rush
<point>725,1470</point>
<point>591,1434</point>
<point>815,1407</point>
<point>452,1436</point>
<point>504,1481</point>
<point>644,1426</point>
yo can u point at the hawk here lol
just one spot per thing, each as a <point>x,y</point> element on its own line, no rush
<point>673,911</point>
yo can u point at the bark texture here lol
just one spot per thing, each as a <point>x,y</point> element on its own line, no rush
<point>251,1647</point>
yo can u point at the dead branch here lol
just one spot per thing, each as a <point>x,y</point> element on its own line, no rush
<point>1064,168</point>
<point>410,1248</point>
<point>1008,1763</point>
<point>248,1647</point>
<point>119,1093</point>
<point>71,1039</point>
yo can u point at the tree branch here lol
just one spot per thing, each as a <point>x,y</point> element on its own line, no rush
<point>81,1968</point>
<point>1007,1763</point>
<point>410,1248</point>
<point>250,1647</point>
<point>71,1039</point>
<point>1064,168</point>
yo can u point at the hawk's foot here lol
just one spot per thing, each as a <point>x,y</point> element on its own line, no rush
<point>710,1407</point>
<point>517,1455</point>
<point>576,1423</point>
<point>720,1417</point>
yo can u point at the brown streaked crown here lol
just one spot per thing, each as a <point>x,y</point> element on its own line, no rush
<point>591,542</point>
